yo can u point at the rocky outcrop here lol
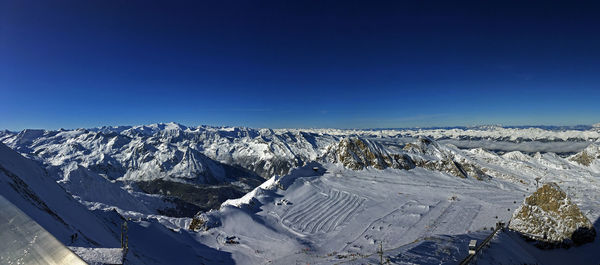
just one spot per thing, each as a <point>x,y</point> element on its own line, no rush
<point>357,153</point>
<point>549,217</point>
<point>204,221</point>
<point>428,154</point>
<point>445,165</point>
<point>587,155</point>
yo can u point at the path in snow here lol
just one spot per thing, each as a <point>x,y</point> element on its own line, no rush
<point>322,213</point>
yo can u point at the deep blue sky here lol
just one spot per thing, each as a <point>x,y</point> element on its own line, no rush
<point>298,63</point>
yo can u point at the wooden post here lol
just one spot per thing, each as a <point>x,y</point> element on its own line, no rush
<point>124,237</point>
<point>380,251</point>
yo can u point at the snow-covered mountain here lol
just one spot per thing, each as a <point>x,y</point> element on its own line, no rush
<point>152,240</point>
<point>221,163</point>
<point>327,195</point>
<point>196,168</point>
<point>498,133</point>
<point>171,151</point>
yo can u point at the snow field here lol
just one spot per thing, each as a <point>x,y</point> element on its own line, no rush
<point>322,213</point>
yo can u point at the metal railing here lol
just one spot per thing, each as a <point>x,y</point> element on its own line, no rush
<point>487,240</point>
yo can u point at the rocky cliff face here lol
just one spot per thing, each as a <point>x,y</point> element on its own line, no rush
<point>428,154</point>
<point>550,217</point>
<point>357,153</point>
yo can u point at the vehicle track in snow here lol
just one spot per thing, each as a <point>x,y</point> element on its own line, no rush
<point>435,222</point>
<point>303,208</point>
<point>306,220</point>
<point>316,219</point>
<point>322,214</point>
<point>366,230</point>
<point>331,222</point>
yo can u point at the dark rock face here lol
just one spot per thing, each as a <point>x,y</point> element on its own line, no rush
<point>549,217</point>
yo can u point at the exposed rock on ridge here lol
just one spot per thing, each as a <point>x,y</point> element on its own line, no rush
<point>549,216</point>
<point>587,156</point>
<point>357,153</point>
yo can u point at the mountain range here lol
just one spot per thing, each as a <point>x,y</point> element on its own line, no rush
<point>312,188</point>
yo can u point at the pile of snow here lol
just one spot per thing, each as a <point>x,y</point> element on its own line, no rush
<point>549,216</point>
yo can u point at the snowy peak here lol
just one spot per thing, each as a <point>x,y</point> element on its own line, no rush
<point>146,162</point>
<point>148,130</point>
<point>196,166</point>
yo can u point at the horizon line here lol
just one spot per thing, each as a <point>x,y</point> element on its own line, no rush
<point>523,126</point>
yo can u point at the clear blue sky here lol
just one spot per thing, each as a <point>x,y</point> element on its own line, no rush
<point>298,63</point>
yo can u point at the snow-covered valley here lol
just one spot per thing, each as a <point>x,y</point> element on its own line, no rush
<point>292,196</point>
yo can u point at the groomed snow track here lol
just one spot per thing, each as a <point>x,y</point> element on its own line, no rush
<point>322,213</point>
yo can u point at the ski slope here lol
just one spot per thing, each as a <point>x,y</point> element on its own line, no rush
<point>349,213</point>
<point>421,216</point>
